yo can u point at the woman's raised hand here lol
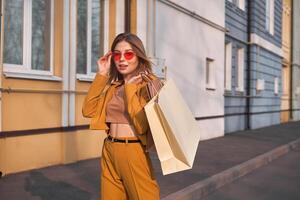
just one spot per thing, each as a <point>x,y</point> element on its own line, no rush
<point>104,64</point>
<point>136,79</point>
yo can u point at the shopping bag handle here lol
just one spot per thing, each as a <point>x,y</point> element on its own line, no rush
<point>150,81</point>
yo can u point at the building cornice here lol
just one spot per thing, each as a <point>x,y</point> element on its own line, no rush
<point>256,39</point>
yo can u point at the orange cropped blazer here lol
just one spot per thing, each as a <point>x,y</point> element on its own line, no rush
<point>135,99</point>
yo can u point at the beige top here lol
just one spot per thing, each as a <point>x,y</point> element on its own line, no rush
<point>115,109</point>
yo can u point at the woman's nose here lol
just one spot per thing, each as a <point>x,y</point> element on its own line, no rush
<point>122,57</point>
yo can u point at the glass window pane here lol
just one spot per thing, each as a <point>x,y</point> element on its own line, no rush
<point>95,33</point>
<point>207,71</point>
<point>81,57</point>
<point>13,34</point>
<point>41,34</point>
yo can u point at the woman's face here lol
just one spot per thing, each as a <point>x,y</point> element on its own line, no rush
<point>125,59</point>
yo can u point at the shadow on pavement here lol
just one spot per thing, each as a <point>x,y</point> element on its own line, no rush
<point>39,185</point>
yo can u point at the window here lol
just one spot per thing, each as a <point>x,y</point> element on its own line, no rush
<point>239,3</point>
<point>210,74</point>
<point>240,70</point>
<point>28,36</point>
<point>89,35</point>
<point>228,65</point>
<point>270,16</point>
<point>276,84</point>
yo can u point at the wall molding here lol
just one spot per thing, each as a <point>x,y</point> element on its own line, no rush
<point>244,113</point>
<point>256,39</point>
<point>7,134</point>
<point>295,65</point>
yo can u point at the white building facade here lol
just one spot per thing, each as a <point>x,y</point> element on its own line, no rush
<point>189,39</point>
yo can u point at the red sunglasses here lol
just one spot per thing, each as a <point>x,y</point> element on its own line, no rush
<point>128,55</point>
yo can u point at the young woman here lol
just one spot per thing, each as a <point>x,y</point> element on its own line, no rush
<point>115,102</point>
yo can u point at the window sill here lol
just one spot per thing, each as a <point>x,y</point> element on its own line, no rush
<point>239,93</point>
<point>269,33</point>
<point>86,77</point>
<point>227,92</point>
<point>240,90</point>
<point>24,75</point>
<point>210,87</point>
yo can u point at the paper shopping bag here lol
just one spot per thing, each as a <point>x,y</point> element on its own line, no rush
<point>152,88</point>
<point>174,129</point>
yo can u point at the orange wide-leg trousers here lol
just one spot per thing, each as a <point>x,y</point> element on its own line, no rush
<point>127,172</point>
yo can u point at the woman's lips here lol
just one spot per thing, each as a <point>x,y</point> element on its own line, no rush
<point>122,67</point>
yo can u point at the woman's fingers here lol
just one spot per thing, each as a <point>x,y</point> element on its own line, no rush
<point>109,58</point>
<point>104,62</point>
<point>106,57</point>
<point>136,79</point>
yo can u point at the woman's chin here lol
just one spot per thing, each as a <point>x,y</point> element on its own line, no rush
<point>125,72</point>
<point>122,72</point>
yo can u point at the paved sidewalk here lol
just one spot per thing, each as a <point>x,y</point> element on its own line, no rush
<point>277,181</point>
<point>81,180</point>
<point>216,155</point>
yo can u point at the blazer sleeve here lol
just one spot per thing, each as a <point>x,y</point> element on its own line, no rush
<point>93,96</point>
<point>135,105</point>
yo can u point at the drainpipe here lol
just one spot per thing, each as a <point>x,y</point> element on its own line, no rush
<point>291,62</point>
<point>2,148</point>
<point>248,65</point>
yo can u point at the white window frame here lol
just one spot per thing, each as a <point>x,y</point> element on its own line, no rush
<point>210,72</point>
<point>89,76</point>
<point>228,65</point>
<point>25,70</point>
<point>270,8</point>
<point>241,4</point>
<point>276,85</point>
<point>240,69</point>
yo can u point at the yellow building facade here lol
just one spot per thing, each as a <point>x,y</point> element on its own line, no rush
<point>286,64</point>
<point>48,55</point>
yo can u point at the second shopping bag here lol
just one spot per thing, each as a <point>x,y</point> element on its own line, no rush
<point>174,129</point>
